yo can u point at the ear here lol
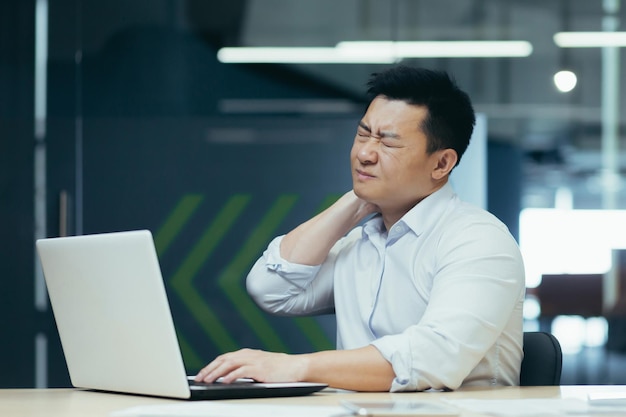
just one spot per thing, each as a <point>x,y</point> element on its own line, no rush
<point>446,160</point>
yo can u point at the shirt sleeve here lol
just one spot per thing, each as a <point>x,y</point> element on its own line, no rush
<point>284,288</point>
<point>479,282</point>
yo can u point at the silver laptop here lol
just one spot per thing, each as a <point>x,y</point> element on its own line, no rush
<point>115,325</point>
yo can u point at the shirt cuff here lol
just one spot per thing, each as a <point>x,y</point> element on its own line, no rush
<point>290,271</point>
<point>400,360</point>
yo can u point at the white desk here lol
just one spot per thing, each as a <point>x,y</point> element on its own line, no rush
<point>80,403</point>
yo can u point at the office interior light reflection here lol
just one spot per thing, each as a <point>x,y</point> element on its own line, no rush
<point>576,332</point>
<point>577,241</point>
<point>374,52</point>
<point>565,81</point>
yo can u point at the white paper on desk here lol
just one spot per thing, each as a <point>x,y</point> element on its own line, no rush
<point>216,409</point>
<point>535,407</point>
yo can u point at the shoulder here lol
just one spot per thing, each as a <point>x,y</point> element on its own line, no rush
<point>463,214</point>
<point>477,239</point>
<point>466,223</point>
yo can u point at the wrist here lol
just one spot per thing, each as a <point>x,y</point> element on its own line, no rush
<point>304,368</point>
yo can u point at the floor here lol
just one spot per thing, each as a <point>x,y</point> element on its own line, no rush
<point>594,366</point>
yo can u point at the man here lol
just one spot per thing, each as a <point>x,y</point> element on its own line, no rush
<point>428,292</point>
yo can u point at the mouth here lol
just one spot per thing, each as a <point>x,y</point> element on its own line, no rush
<point>363,175</point>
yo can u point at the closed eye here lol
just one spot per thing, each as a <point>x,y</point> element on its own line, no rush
<point>391,141</point>
<point>363,130</point>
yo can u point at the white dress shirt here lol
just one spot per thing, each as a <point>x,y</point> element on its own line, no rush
<point>440,295</point>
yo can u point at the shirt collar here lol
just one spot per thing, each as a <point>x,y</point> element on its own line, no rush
<point>427,211</point>
<point>419,217</point>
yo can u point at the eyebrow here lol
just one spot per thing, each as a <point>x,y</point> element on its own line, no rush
<point>391,135</point>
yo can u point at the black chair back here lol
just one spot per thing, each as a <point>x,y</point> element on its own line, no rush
<point>543,360</point>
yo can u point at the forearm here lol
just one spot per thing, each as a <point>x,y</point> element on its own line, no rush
<point>362,369</point>
<point>310,243</point>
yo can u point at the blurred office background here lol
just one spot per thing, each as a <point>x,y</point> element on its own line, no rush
<point>119,115</point>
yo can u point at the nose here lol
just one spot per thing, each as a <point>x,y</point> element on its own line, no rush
<point>367,152</point>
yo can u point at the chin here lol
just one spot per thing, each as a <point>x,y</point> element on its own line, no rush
<point>364,195</point>
<point>357,190</point>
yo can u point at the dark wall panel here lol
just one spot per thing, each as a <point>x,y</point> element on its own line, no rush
<point>18,321</point>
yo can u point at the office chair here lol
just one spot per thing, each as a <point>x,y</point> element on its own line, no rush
<point>542,361</point>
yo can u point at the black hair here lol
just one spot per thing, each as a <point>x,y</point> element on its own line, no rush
<point>450,121</point>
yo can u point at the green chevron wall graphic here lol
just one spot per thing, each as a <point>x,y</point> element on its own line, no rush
<point>231,280</point>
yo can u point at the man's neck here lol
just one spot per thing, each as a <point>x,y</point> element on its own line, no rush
<point>391,215</point>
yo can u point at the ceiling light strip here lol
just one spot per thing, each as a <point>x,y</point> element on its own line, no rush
<point>375,52</point>
<point>441,49</point>
<point>297,55</point>
<point>590,39</point>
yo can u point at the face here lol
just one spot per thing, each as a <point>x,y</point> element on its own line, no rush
<point>390,166</point>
